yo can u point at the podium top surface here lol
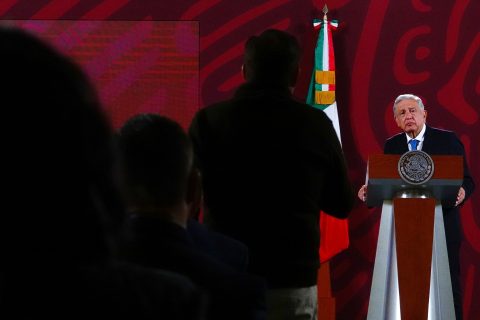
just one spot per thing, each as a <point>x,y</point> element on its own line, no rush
<point>385,166</point>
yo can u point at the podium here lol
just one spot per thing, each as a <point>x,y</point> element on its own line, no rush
<point>411,277</point>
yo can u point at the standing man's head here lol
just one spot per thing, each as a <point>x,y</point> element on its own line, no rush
<point>272,58</point>
<point>409,113</point>
<point>158,168</point>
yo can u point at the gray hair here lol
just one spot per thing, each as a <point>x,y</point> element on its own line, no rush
<point>408,96</point>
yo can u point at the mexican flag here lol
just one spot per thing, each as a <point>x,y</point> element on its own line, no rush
<point>321,95</point>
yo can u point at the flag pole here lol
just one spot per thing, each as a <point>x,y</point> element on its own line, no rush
<point>326,301</point>
<point>325,11</point>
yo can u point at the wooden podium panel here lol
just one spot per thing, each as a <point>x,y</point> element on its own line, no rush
<point>414,219</point>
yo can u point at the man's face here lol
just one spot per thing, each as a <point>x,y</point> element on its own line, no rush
<point>409,117</point>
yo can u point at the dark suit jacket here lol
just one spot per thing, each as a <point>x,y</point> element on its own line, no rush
<point>161,244</point>
<point>221,247</point>
<point>110,290</point>
<point>269,165</point>
<point>440,142</point>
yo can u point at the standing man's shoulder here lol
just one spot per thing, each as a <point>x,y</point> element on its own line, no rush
<point>311,111</point>
<point>442,137</point>
<point>395,138</point>
<point>440,133</point>
<point>212,110</point>
<point>443,141</point>
<point>395,144</point>
<point>206,116</point>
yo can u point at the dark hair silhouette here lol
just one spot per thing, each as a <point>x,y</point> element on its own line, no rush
<point>157,156</point>
<point>59,234</point>
<point>58,154</point>
<point>272,57</point>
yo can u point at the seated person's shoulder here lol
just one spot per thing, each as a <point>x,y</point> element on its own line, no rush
<point>156,292</point>
<point>219,246</point>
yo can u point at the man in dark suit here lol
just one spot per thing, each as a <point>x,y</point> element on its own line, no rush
<point>162,189</point>
<point>410,116</point>
<point>269,165</point>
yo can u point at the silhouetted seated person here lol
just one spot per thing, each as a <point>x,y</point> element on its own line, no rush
<point>59,233</point>
<point>162,191</point>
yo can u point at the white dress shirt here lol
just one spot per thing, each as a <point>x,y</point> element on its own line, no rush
<point>419,137</point>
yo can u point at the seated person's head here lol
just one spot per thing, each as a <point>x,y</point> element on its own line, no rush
<point>57,154</point>
<point>272,58</point>
<point>158,167</point>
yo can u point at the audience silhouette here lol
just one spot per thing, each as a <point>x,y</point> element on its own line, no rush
<point>162,191</point>
<point>61,230</point>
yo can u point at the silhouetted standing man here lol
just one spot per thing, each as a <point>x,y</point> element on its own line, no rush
<point>269,165</point>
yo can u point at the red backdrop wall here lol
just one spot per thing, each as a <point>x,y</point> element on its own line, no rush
<point>383,48</point>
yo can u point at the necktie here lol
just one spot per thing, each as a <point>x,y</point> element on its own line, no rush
<point>414,144</point>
